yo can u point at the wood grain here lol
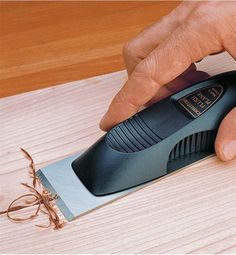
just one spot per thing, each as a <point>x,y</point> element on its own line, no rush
<point>193,210</point>
<point>48,43</point>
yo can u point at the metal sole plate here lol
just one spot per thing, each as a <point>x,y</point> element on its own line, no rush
<point>72,197</point>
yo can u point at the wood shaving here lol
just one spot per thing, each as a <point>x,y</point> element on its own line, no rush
<point>37,197</point>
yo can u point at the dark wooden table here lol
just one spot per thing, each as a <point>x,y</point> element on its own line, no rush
<point>48,43</point>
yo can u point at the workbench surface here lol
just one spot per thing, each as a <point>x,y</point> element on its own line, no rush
<point>45,43</point>
<point>193,210</point>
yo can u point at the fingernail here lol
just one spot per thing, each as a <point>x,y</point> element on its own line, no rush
<point>229,150</point>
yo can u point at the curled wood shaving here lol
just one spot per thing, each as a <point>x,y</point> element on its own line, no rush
<point>39,198</point>
<point>29,204</point>
<point>32,167</point>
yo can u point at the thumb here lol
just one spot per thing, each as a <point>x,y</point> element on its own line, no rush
<point>225,144</point>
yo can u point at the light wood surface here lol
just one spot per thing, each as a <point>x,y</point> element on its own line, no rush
<point>47,43</point>
<point>193,210</point>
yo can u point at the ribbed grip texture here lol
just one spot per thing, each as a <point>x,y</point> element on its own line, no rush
<point>131,135</point>
<point>198,142</point>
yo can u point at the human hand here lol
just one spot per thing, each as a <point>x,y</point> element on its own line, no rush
<point>165,53</point>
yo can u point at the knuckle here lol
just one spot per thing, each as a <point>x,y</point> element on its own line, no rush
<point>232,116</point>
<point>234,111</point>
<point>129,49</point>
<point>120,97</point>
<point>202,10</point>
<point>123,98</point>
<point>146,73</point>
<point>145,69</point>
<point>229,122</point>
<point>206,12</point>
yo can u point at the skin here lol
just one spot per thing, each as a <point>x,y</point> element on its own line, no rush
<point>160,60</point>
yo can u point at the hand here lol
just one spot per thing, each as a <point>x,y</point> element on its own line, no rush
<point>164,53</point>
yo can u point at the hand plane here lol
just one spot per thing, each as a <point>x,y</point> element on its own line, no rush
<point>158,140</point>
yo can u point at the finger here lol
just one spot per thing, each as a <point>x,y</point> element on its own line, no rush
<point>178,84</point>
<point>229,33</point>
<point>190,69</point>
<point>196,76</point>
<point>165,92</point>
<point>185,46</point>
<point>225,144</point>
<point>138,90</point>
<point>146,41</point>
<point>186,80</point>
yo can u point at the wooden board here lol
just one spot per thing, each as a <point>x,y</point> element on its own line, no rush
<point>43,43</point>
<point>193,210</point>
